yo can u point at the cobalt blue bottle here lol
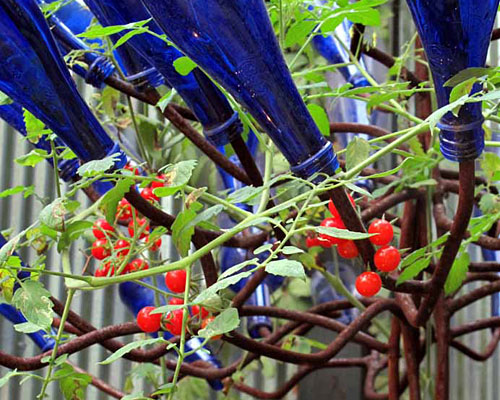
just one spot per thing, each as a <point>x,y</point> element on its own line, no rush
<point>136,297</point>
<point>233,41</point>
<point>35,76</point>
<point>221,124</point>
<point>15,316</point>
<point>456,35</point>
<point>136,69</point>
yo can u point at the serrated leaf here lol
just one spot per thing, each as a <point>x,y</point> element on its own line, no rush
<point>35,128</point>
<point>34,157</point>
<point>227,321</point>
<point>457,274</point>
<point>358,150</point>
<point>238,267</point>
<point>93,168</point>
<point>320,117</point>
<point>184,65</point>
<point>287,268</point>
<point>98,32</point>
<point>26,327</point>
<point>298,32</point>
<point>340,233</point>
<point>109,202</point>
<point>220,285</point>
<point>132,346</point>
<point>176,177</point>
<point>73,384</point>
<point>33,300</point>
<point>413,270</point>
<point>182,231</point>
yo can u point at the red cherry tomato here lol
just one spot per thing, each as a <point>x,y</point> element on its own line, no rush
<point>124,210</point>
<point>136,265</point>
<point>102,228</point>
<point>123,248</point>
<point>106,269</point>
<point>332,223</point>
<point>156,244</point>
<point>176,281</point>
<point>175,301</point>
<point>147,194</point>
<point>387,258</point>
<point>200,312</point>
<point>313,242</point>
<point>173,322</point>
<point>368,284</point>
<point>384,232</point>
<point>101,249</point>
<point>132,168</point>
<point>148,322</point>
<point>333,209</point>
<point>204,324</point>
<point>142,226</point>
<point>157,184</point>
<point>347,249</point>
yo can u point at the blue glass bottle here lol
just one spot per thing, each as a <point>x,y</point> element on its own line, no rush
<point>233,41</point>
<point>137,70</point>
<point>40,338</point>
<point>221,124</point>
<point>135,297</point>
<point>456,35</point>
<point>35,76</point>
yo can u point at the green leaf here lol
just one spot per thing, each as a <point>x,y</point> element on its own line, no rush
<point>29,190</point>
<point>358,150</point>
<point>35,128</point>
<point>220,285</point>
<point>73,384</point>
<point>98,32</point>
<point>26,327</point>
<point>320,117</point>
<point>413,270</point>
<point>457,274</point>
<point>176,177</point>
<point>288,268</point>
<point>166,99</point>
<point>227,321</point>
<point>53,215</point>
<point>467,74</point>
<point>109,202</point>
<point>340,233</point>
<point>32,299</point>
<point>184,65</point>
<point>182,230</point>
<point>123,39</point>
<point>93,168</point>
<point>490,163</point>
<point>132,346</point>
<point>4,99</point>
<point>290,250</point>
<point>245,194</point>
<point>34,157</point>
<point>298,32</point>
<point>5,379</point>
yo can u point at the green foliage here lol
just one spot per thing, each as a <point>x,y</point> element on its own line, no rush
<point>73,384</point>
<point>32,299</point>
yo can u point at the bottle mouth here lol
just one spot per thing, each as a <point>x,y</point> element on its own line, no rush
<point>99,71</point>
<point>461,142</point>
<point>148,77</point>
<point>324,161</point>
<point>225,132</point>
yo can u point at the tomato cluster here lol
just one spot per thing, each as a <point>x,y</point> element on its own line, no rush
<point>387,257</point>
<point>112,247</point>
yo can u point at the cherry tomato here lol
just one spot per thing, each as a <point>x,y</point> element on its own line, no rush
<point>204,324</point>
<point>333,209</point>
<point>156,244</point>
<point>142,226</point>
<point>332,223</point>
<point>313,242</point>
<point>368,284</point>
<point>104,270</point>
<point>347,249</point>
<point>173,322</point>
<point>176,281</point>
<point>157,184</point>
<point>132,168</point>
<point>147,194</point>
<point>102,228</point>
<point>148,322</point>
<point>200,312</point>
<point>123,248</point>
<point>124,210</point>
<point>101,249</point>
<point>136,265</point>
<point>387,258</point>
<point>175,301</point>
<point>384,232</point>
